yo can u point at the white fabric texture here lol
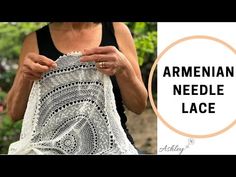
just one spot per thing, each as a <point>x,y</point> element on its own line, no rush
<point>72,110</point>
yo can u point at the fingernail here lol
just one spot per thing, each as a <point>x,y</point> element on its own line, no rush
<point>54,65</point>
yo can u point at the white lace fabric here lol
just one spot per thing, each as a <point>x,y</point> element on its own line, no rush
<point>72,110</point>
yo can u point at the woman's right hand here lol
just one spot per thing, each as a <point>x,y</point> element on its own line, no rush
<point>34,65</point>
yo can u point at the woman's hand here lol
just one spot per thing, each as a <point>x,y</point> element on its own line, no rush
<point>32,66</point>
<point>35,65</point>
<point>109,60</point>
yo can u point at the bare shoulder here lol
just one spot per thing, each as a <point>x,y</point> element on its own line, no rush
<point>126,45</point>
<point>124,38</point>
<point>29,45</point>
<point>120,26</point>
<point>122,30</point>
<point>30,41</point>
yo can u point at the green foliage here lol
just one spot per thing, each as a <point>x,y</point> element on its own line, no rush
<point>9,132</point>
<point>11,37</point>
<point>6,79</point>
<point>145,46</point>
<point>145,38</point>
<point>2,96</point>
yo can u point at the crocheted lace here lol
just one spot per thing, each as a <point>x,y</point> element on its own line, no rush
<point>72,110</point>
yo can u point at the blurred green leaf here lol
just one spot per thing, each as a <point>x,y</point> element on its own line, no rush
<point>9,132</point>
<point>12,35</point>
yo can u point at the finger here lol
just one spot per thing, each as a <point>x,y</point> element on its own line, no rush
<point>36,67</point>
<point>105,65</point>
<point>28,70</point>
<point>28,77</point>
<point>40,68</point>
<point>46,61</point>
<point>31,76</point>
<point>35,74</point>
<point>89,58</point>
<point>98,58</point>
<point>43,60</point>
<point>99,50</point>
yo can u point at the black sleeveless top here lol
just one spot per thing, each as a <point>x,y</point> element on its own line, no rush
<point>47,48</point>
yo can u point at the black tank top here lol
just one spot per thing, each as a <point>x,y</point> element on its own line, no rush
<point>47,48</point>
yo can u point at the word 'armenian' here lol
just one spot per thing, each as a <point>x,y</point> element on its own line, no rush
<point>198,89</point>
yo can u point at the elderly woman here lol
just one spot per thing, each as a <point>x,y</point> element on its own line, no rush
<point>109,45</point>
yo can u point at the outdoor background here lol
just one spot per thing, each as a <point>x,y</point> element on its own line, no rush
<point>142,127</point>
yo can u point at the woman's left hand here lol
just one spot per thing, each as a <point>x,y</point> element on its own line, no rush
<point>109,60</point>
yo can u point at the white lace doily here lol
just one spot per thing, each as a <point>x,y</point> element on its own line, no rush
<point>72,110</point>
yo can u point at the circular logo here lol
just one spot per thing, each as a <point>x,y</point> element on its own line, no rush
<point>196,86</point>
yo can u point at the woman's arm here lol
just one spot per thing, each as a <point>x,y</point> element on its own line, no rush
<point>31,66</point>
<point>130,81</point>
<point>124,65</point>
